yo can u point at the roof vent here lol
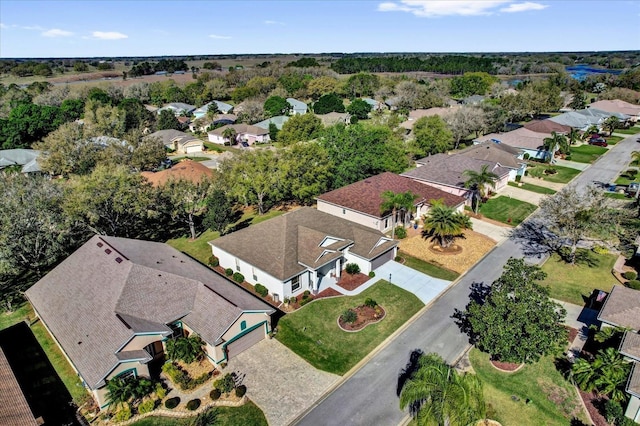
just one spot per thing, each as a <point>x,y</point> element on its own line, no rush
<point>99,244</point>
<point>108,251</point>
<point>119,259</point>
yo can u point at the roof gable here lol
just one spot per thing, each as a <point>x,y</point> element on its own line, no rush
<point>622,308</point>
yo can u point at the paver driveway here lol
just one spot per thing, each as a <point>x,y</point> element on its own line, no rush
<point>280,382</point>
<point>422,285</point>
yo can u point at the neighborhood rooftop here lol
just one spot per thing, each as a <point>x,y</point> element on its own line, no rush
<point>622,308</point>
<point>14,408</point>
<point>630,345</point>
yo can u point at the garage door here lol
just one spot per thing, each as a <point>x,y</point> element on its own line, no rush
<point>194,149</point>
<point>245,342</point>
<point>382,259</point>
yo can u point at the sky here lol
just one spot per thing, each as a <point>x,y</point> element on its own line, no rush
<point>96,28</point>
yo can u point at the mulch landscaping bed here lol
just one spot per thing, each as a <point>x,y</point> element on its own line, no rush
<point>330,292</point>
<point>247,286</point>
<point>573,332</point>
<point>505,366</point>
<point>591,401</point>
<point>352,281</point>
<point>366,315</point>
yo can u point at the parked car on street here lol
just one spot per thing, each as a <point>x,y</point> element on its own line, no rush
<point>597,142</point>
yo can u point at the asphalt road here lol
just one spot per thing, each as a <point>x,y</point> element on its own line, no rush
<point>369,397</point>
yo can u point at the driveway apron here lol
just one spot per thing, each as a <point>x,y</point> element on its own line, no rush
<point>422,285</point>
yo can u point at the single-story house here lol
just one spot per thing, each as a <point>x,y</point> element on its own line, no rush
<point>178,108</point>
<point>278,120</point>
<point>113,304</point>
<point>27,158</point>
<point>525,140</point>
<point>332,118</point>
<point>178,141</point>
<point>202,124</point>
<point>417,114</point>
<point>302,250</point>
<point>360,202</point>
<point>472,100</point>
<point>547,127</point>
<point>622,309</point>
<point>621,107</point>
<point>375,105</point>
<point>503,155</point>
<point>585,118</point>
<point>190,170</point>
<point>223,108</point>
<point>246,134</point>
<point>14,408</point>
<point>297,107</point>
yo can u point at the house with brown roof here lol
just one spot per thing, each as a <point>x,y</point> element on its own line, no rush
<point>305,249</point>
<point>526,140</point>
<point>246,134</point>
<point>113,303</point>
<point>618,106</point>
<point>180,142</point>
<point>360,202</point>
<point>190,170</point>
<point>14,408</point>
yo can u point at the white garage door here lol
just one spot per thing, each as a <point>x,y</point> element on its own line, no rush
<point>245,342</point>
<point>382,259</point>
<point>194,149</point>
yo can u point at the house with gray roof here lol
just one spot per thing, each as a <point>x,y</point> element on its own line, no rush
<point>113,303</point>
<point>27,158</point>
<point>178,108</point>
<point>585,118</point>
<point>305,249</point>
<point>297,107</point>
<point>180,142</point>
<point>223,108</point>
<point>245,134</point>
<point>278,120</point>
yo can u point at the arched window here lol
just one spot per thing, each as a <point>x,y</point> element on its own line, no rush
<point>243,325</point>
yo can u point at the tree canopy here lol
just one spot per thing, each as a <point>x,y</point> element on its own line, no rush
<point>329,102</point>
<point>359,108</point>
<point>276,105</point>
<point>444,224</point>
<point>432,136</point>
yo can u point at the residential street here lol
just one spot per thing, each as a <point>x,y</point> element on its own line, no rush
<point>369,396</point>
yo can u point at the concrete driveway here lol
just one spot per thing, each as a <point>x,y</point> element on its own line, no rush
<point>280,382</point>
<point>522,194</point>
<point>495,232</point>
<point>422,285</point>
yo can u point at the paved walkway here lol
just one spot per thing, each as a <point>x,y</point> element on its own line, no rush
<point>542,182</point>
<point>580,318</point>
<point>495,232</point>
<point>522,194</point>
<point>280,382</point>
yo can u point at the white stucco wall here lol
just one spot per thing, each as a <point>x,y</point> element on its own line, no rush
<point>633,409</point>
<point>365,266</point>
<point>215,138</point>
<point>351,215</point>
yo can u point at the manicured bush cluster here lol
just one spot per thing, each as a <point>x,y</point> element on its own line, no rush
<point>161,392</point>
<point>228,272</point>
<point>214,261</point>
<point>567,157</point>
<point>370,302</point>
<point>226,383</point>
<point>526,156</point>
<point>352,268</point>
<point>172,403</point>
<point>397,258</point>
<point>182,378</point>
<point>630,275</point>
<point>146,406</point>
<point>349,316</point>
<point>215,394</point>
<point>401,232</point>
<point>241,391</point>
<point>305,300</point>
<point>634,284</point>
<point>123,414</point>
<point>238,277</point>
<point>261,290</point>
<point>598,249</point>
<point>372,274</point>
<point>550,171</point>
<point>194,404</point>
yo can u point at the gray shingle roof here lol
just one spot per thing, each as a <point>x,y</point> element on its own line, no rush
<point>297,105</point>
<point>622,308</point>
<point>278,246</point>
<point>630,345</point>
<point>278,120</point>
<point>27,158</point>
<point>505,155</point>
<point>169,136</point>
<point>633,385</point>
<point>120,287</point>
<point>14,409</point>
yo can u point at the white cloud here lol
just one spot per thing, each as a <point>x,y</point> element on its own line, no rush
<point>219,37</point>
<point>108,35</point>
<point>429,8</point>
<point>523,7</point>
<point>268,22</point>
<point>32,28</point>
<point>3,26</point>
<point>56,32</point>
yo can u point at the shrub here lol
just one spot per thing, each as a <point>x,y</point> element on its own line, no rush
<point>352,268</point>
<point>349,316</point>
<point>400,232</point>
<point>213,261</point>
<point>241,390</point>
<point>304,301</point>
<point>612,411</point>
<point>238,277</point>
<point>182,378</point>
<point>597,249</point>
<point>215,394</point>
<point>226,383</point>
<point>550,170</point>
<point>146,406</point>
<point>630,275</point>
<point>161,392</point>
<point>372,274</point>
<point>518,178</point>
<point>634,284</point>
<point>261,290</point>
<point>397,258</point>
<point>306,293</point>
<point>567,157</point>
<point>194,404</point>
<point>123,414</point>
<point>228,272</point>
<point>526,156</point>
<point>172,403</point>
<point>370,302</point>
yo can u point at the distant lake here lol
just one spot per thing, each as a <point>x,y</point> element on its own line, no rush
<point>581,71</point>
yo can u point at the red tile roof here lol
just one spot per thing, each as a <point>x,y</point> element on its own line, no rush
<point>366,195</point>
<point>184,170</point>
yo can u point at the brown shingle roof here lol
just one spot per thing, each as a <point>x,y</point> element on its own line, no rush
<point>547,126</point>
<point>279,245</point>
<point>137,287</point>
<point>630,345</point>
<point>14,409</point>
<point>366,195</point>
<point>505,155</point>
<point>184,170</point>
<point>622,308</point>
<point>519,138</point>
<point>633,385</point>
<point>241,128</point>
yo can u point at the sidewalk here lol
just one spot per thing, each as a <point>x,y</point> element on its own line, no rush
<point>579,318</point>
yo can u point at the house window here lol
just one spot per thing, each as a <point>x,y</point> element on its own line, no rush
<point>295,283</point>
<point>177,330</point>
<point>237,264</point>
<point>386,223</point>
<point>126,375</point>
<point>243,325</point>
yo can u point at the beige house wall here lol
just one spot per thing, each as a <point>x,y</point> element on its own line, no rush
<point>353,216</point>
<point>139,342</point>
<point>633,409</point>
<point>251,318</point>
<point>142,370</point>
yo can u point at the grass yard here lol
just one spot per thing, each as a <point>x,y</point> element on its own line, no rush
<point>630,131</point>
<point>200,249</point>
<point>23,312</point>
<point>312,332</point>
<point>533,188</point>
<point>507,210</point>
<point>189,157</point>
<point>428,268</point>
<point>248,414</point>
<point>572,283</point>
<point>562,175</point>
<point>587,153</point>
<point>612,140</point>
<point>553,400</point>
<point>617,196</point>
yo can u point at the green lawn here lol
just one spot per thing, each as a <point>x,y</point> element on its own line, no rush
<point>562,175</point>
<point>189,157</point>
<point>201,250</point>
<point>507,210</point>
<point>617,196</point>
<point>248,414</point>
<point>625,179</point>
<point>587,153</point>
<point>630,131</point>
<point>533,188</point>
<point>313,333</point>
<point>552,400</point>
<point>428,268</point>
<point>612,140</point>
<point>573,282</point>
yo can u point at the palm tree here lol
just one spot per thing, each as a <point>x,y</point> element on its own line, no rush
<point>607,373</point>
<point>478,182</point>
<point>444,224</point>
<point>187,349</point>
<point>403,201</point>
<point>554,143</point>
<point>611,123</point>
<point>230,134</point>
<point>573,136</point>
<point>438,394</point>
<point>120,391</point>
